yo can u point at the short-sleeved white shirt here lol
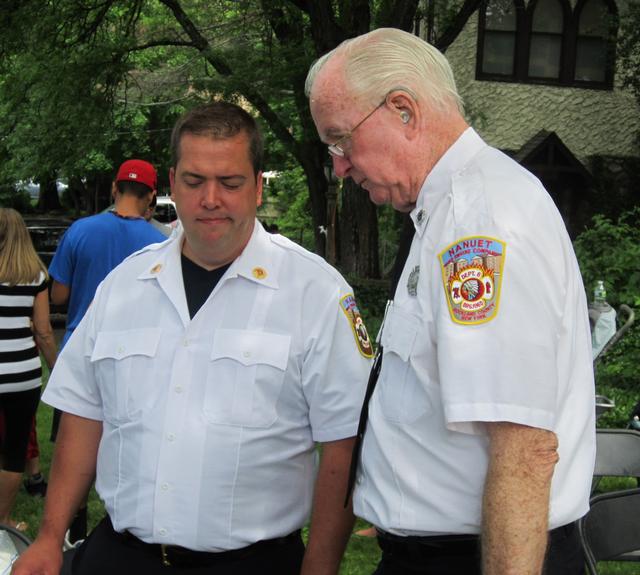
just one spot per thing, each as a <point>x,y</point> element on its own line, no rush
<point>209,423</point>
<point>425,452</point>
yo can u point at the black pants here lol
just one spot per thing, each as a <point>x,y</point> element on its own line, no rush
<point>462,556</point>
<point>106,552</point>
<point>19,407</point>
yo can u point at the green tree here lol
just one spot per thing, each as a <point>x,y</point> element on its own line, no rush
<point>116,69</point>
<point>609,250</point>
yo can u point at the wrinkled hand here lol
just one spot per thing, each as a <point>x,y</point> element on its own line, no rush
<point>42,557</point>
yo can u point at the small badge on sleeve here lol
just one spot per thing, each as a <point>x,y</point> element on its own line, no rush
<point>412,282</point>
<point>350,309</point>
<point>472,276</point>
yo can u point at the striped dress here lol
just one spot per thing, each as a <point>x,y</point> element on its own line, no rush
<point>20,368</point>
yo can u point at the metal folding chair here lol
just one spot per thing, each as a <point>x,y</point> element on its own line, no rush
<point>609,532</point>
<point>617,454</point>
<point>12,544</point>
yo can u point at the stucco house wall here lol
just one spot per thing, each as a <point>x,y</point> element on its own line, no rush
<point>590,122</point>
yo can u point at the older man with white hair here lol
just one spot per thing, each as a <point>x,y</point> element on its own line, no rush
<point>480,443</point>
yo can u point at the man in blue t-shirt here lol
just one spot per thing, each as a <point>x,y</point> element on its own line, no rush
<point>91,248</point>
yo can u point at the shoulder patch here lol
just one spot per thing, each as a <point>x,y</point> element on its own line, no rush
<point>350,309</point>
<point>472,276</point>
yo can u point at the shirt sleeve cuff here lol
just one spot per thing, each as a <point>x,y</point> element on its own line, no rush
<point>465,417</point>
<point>335,433</point>
<point>86,411</point>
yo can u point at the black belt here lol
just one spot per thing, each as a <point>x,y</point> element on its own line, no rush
<point>176,556</point>
<point>454,543</point>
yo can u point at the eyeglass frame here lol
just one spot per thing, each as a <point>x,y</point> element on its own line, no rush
<point>335,149</point>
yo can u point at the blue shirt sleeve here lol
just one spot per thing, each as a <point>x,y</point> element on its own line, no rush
<point>61,266</point>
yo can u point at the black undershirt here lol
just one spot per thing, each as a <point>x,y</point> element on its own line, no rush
<point>199,283</point>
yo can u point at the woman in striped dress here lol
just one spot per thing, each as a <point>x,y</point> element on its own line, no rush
<point>24,329</point>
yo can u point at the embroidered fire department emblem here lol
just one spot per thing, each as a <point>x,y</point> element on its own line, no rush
<point>472,276</point>
<point>350,309</point>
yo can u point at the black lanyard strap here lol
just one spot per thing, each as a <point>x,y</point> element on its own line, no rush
<point>362,423</point>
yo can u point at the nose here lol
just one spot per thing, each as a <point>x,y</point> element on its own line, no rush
<point>209,195</point>
<point>341,166</point>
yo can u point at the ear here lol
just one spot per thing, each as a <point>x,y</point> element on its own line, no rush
<point>259,189</point>
<point>114,192</point>
<point>409,113</point>
<point>172,181</point>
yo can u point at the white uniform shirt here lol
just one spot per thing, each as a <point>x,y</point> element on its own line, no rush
<point>209,423</point>
<point>425,452</point>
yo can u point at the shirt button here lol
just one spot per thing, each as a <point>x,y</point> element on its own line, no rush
<point>164,486</point>
<point>246,354</point>
<point>185,342</point>
<point>171,436</point>
<point>162,531</point>
<point>178,389</point>
<point>120,349</point>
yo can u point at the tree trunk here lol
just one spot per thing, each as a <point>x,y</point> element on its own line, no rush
<point>358,240</point>
<point>48,199</point>
<point>98,193</point>
<point>77,192</point>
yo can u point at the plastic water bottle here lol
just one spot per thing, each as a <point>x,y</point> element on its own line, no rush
<point>600,293</point>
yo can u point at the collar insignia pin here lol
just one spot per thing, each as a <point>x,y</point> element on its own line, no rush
<point>259,273</point>
<point>412,282</point>
<point>155,269</point>
<point>420,216</point>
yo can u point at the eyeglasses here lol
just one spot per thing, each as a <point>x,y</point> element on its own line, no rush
<point>339,149</point>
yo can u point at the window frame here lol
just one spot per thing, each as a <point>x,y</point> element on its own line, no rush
<point>482,16</point>
<point>568,47</point>
<point>562,64</point>
<point>610,55</point>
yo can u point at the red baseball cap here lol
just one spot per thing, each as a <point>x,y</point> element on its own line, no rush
<point>138,171</point>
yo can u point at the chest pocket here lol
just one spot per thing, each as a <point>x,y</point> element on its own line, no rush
<point>123,362</point>
<point>402,397</point>
<point>245,377</point>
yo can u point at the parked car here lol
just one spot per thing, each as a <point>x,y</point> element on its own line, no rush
<point>45,234</point>
<point>165,210</point>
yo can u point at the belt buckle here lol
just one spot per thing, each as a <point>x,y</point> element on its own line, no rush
<point>164,556</point>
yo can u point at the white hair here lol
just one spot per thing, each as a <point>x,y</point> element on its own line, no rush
<point>390,59</point>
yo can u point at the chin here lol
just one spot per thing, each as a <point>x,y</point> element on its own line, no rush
<point>378,197</point>
<point>402,206</point>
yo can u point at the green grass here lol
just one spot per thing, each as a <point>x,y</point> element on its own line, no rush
<point>29,508</point>
<point>362,553</point>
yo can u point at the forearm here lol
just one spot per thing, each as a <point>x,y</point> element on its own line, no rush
<point>72,473</point>
<point>42,331</point>
<point>516,500</point>
<point>47,346</point>
<point>59,293</point>
<point>331,523</point>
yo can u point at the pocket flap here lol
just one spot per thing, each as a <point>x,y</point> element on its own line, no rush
<point>399,332</point>
<point>252,347</point>
<point>121,344</point>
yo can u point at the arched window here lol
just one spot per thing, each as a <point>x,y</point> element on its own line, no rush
<point>499,40</point>
<point>547,42</point>
<point>595,24</point>
<point>545,45</point>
